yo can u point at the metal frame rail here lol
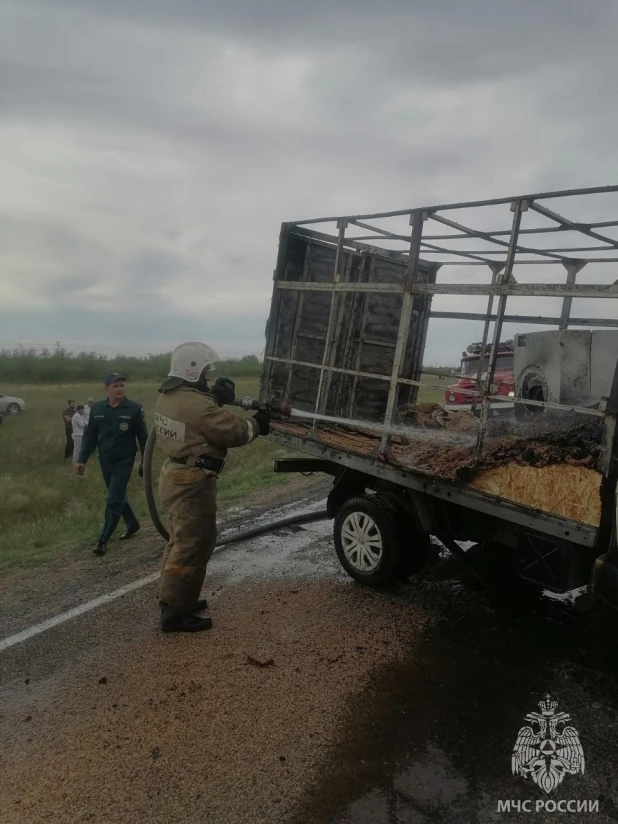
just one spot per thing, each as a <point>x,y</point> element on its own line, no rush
<point>510,250</point>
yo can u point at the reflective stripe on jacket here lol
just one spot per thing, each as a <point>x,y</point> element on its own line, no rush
<point>190,423</point>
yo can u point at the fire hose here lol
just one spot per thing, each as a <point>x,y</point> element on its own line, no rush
<point>274,409</point>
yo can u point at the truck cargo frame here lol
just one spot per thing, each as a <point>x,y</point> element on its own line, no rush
<point>390,264</point>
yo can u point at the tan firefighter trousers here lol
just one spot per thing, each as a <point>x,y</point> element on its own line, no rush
<point>190,499</point>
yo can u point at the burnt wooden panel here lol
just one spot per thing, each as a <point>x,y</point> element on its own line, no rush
<point>366,329</point>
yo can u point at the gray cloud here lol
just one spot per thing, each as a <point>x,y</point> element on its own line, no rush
<point>119,332</point>
<point>150,150</point>
<point>445,41</point>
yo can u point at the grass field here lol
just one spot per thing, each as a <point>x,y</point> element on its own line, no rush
<point>45,506</point>
<point>429,394</point>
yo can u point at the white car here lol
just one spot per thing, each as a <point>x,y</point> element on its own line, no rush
<point>11,406</point>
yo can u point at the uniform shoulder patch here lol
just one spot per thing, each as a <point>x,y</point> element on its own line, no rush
<point>169,428</point>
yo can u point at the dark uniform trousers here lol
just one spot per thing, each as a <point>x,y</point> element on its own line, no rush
<point>116,477</point>
<point>69,444</point>
<point>190,500</point>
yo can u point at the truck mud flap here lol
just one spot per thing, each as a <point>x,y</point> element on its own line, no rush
<point>463,558</point>
<point>604,580</point>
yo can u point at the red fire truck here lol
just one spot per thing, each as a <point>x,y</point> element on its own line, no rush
<point>473,360</point>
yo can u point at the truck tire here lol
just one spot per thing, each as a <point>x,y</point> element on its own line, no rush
<point>366,540</point>
<point>534,389</point>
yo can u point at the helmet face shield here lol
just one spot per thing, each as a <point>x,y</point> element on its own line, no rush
<point>189,360</point>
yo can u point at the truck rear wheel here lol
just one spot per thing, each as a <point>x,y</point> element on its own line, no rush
<point>366,540</point>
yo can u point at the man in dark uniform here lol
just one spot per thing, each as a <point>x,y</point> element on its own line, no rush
<point>116,426</point>
<point>67,417</point>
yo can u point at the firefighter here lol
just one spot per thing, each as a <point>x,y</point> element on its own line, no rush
<point>195,432</point>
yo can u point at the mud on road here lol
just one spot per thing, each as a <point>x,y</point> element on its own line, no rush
<point>313,699</point>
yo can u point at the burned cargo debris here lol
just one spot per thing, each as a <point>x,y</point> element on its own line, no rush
<point>446,446</point>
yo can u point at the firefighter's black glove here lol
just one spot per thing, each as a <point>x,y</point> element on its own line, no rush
<point>223,390</point>
<point>263,422</point>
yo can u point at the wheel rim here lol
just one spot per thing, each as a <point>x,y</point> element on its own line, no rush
<point>13,409</point>
<point>361,541</point>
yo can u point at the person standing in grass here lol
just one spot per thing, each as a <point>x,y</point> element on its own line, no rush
<point>87,408</point>
<point>116,427</point>
<point>78,425</point>
<point>67,417</point>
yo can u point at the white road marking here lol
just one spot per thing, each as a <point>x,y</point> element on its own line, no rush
<point>20,637</point>
<point>25,634</point>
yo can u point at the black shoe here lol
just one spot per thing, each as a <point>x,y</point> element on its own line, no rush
<point>100,549</point>
<point>129,533</point>
<point>173,622</point>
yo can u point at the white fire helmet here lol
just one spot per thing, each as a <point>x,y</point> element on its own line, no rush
<point>190,359</point>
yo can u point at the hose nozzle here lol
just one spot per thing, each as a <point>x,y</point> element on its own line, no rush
<point>271,407</point>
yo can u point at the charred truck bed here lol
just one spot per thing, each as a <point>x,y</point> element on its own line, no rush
<point>548,471</point>
<point>345,344</point>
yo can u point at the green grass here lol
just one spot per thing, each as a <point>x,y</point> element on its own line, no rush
<point>427,394</point>
<point>44,506</point>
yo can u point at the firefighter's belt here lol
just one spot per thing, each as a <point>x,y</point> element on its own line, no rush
<point>202,462</point>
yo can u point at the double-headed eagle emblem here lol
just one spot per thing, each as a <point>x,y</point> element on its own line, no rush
<point>547,750</point>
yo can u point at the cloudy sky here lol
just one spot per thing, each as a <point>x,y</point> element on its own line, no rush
<point>149,149</point>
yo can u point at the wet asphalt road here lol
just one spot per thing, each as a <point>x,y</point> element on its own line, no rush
<point>437,743</point>
<point>312,700</point>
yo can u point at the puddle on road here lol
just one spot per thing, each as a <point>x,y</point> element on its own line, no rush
<point>426,784</point>
<point>260,517</point>
<point>294,550</point>
<point>432,738</point>
<point>430,780</point>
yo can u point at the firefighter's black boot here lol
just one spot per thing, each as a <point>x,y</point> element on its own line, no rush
<point>177,622</point>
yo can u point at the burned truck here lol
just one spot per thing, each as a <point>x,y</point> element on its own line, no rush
<point>355,299</point>
<point>565,366</point>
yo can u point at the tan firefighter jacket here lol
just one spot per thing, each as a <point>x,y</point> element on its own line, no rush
<point>192,428</point>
